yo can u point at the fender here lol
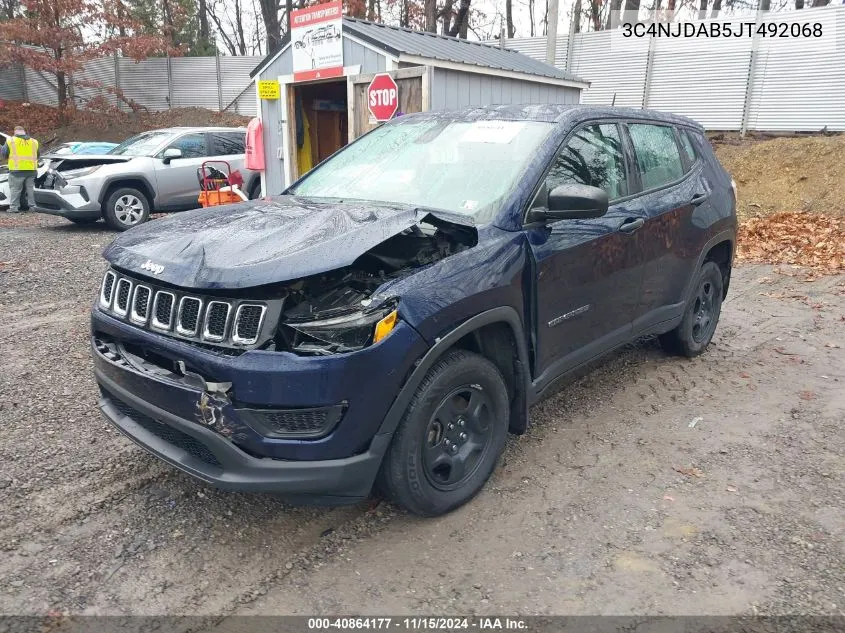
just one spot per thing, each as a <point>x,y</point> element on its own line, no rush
<point>120,178</point>
<point>729,236</point>
<point>503,314</point>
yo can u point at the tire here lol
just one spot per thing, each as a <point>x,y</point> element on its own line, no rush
<point>441,454</point>
<point>701,315</point>
<point>255,190</point>
<point>126,207</point>
<point>84,221</point>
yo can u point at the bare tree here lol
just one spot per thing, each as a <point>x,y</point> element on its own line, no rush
<point>717,7</point>
<point>613,14</point>
<point>632,10</point>
<point>531,18</point>
<point>430,15</point>
<point>508,17</point>
<point>272,25</point>
<point>459,28</point>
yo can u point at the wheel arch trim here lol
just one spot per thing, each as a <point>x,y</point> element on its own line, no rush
<point>501,314</point>
<point>723,236</point>
<point>126,180</point>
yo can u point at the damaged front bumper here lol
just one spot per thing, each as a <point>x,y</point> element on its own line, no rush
<point>211,430</point>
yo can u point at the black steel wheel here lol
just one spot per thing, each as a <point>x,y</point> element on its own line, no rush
<point>701,315</point>
<point>458,435</point>
<point>450,438</point>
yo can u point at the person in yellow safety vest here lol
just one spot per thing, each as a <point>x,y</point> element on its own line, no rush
<point>21,150</point>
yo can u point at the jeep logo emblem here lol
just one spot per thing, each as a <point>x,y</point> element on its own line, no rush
<point>154,268</point>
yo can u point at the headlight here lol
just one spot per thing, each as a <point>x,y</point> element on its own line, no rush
<point>345,333</point>
<point>78,173</point>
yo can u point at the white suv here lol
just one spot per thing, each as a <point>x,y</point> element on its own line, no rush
<point>154,171</point>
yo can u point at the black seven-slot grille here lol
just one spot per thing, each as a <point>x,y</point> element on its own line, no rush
<point>228,322</point>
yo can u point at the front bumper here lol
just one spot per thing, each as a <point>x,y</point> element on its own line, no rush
<point>71,201</point>
<point>167,413</point>
<point>212,458</point>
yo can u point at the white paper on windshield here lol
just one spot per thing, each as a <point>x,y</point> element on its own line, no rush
<point>502,132</point>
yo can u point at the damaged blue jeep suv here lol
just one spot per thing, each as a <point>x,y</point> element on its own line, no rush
<point>391,317</point>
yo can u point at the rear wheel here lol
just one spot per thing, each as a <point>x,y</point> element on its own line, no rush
<point>450,437</point>
<point>701,316</point>
<point>126,207</point>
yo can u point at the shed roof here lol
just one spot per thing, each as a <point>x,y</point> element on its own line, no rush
<point>396,42</point>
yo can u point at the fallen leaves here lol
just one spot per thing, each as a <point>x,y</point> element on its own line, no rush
<point>690,471</point>
<point>732,489</point>
<point>805,239</point>
<point>807,395</point>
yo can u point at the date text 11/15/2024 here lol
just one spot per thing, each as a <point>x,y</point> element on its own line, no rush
<point>459,623</point>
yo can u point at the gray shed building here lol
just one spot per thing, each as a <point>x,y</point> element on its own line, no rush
<point>312,119</point>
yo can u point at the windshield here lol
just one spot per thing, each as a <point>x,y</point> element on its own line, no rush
<point>141,145</point>
<point>462,167</point>
<point>64,148</point>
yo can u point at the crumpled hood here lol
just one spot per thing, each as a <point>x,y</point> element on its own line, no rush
<point>257,242</point>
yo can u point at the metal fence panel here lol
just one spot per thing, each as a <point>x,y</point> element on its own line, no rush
<point>234,80</point>
<point>702,78</point>
<point>144,82</point>
<point>800,84</point>
<point>95,80</point>
<point>613,68</point>
<point>536,47</point>
<point>796,84</point>
<point>195,82</point>
<point>11,86</point>
<point>40,88</point>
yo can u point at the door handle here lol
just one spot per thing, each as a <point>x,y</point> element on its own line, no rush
<point>698,198</point>
<point>630,225</point>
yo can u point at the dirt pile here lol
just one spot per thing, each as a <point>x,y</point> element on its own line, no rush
<point>87,125</point>
<point>786,174</point>
<point>813,240</point>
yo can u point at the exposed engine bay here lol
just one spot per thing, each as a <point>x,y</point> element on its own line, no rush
<point>53,169</point>
<point>334,313</point>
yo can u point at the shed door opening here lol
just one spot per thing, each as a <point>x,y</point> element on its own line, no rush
<point>320,112</point>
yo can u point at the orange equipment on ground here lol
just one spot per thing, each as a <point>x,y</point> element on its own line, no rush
<point>218,187</point>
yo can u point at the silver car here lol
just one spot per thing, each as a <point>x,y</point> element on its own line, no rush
<point>152,172</point>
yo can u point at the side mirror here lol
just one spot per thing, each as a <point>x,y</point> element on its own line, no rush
<point>572,202</point>
<point>170,153</point>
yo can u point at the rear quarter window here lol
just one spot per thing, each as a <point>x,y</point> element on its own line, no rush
<point>228,143</point>
<point>687,146</point>
<point>657,153</point>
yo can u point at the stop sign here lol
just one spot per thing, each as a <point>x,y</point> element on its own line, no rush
<point>383,97</point>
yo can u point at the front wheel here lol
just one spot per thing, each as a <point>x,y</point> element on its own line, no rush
<point>701,315</point>
<point>126,207</point>
<point>450,438</point>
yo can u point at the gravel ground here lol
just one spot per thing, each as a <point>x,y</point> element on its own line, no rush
<point>613,503</point>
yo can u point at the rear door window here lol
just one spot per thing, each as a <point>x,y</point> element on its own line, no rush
<point>192,145</point>
<point>592,156</point>
<point>657,153</point>
<point>228,143</point>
